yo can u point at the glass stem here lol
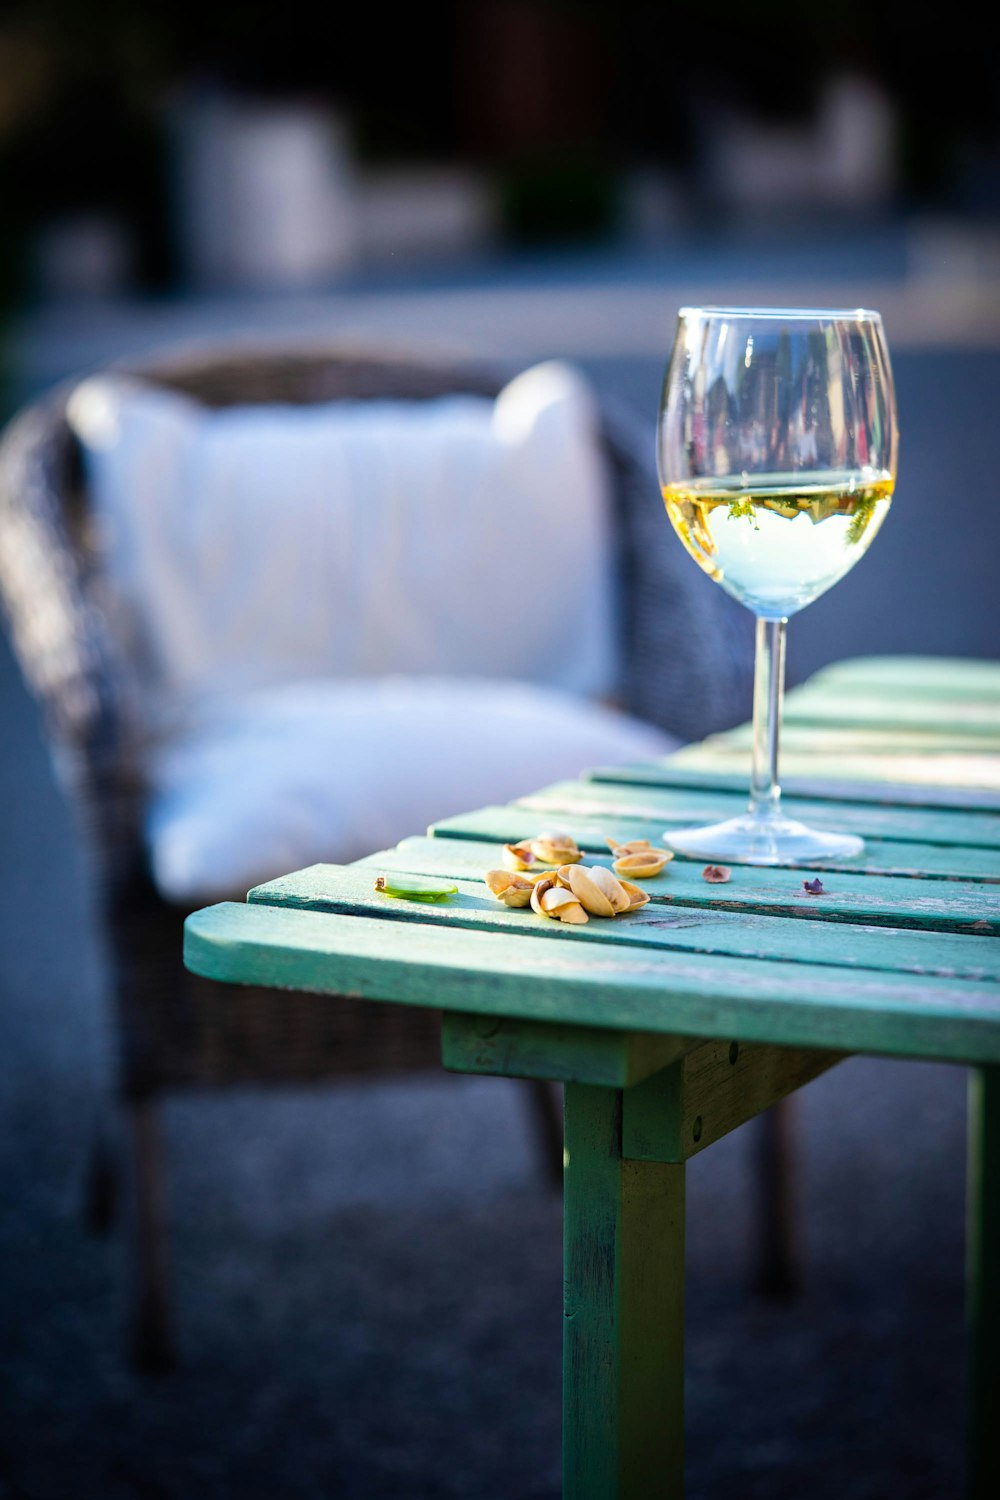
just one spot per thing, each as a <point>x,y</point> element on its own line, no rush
<point>768,689</point>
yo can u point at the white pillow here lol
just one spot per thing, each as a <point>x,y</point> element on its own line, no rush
<point>280,778</point>
<point>264,544</point>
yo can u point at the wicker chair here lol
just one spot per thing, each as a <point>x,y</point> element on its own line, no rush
<point>176,1031</point>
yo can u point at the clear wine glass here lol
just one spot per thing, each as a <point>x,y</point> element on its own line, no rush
<point>776,448</point>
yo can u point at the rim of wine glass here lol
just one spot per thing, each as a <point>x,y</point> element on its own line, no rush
<point>813,314</point>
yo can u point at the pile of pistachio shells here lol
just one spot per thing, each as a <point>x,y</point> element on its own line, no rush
<point>567,890</point>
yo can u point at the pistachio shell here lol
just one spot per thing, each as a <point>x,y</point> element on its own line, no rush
<point>512,890</point>
<point>538,890</point>
<point>555,898</point>
<point>637,896</point>
<point>517,856</point>
<point>555,849</point>
<point>588,892</point>
<point>573,913</point>
<point>611,886</point>
<point>632,847</point>
<point>515,896</point>
<point>643,863</point>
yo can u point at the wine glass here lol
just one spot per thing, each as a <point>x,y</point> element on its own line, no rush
<point>776,449</point>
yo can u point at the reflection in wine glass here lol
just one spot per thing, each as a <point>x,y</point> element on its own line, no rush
<point>776,449</point>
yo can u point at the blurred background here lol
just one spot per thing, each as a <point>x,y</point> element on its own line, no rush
<point>367,1278</point>
<point>525,178</point>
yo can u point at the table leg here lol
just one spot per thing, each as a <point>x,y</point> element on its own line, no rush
<point>623,1334</point>
<point>983,1248</point>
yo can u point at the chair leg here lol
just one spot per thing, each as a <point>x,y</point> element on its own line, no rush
<point>779,1260</point>
<point>100,1185</point>
<point>152,1344</point>
<point>546,1104</point>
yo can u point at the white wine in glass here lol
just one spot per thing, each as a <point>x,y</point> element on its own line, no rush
<point>776,449</point>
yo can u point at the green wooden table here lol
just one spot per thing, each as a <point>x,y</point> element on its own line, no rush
<point>672,1026</point>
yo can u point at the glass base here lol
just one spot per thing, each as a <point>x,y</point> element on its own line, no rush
<point>750,840</point>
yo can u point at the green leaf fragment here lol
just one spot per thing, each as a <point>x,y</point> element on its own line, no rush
<point>859,521</point>
<point>745,507</point>
<point>417,889</point>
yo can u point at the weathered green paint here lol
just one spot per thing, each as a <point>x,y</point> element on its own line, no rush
<point>678,807</point>
<point>873,740</point>
<point>744,932</point>
<point>623,1329</point>
<point>598,984</point>
<point>855,754</point>
<point>921,677</point>
<point>809,784</point>
<point>568,1054</point>
<point>851,896</point>
<point>709,1092</point>
<point>983,1246</point>
<point>511,824</point>
<point>887,960</point>
<point>978,719</point>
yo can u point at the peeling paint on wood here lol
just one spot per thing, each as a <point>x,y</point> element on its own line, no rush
<point>663,991</point>
<point>677,807</point>
<point>854,896</point>
<point>741,932</point>
<point>514,823</point>
<point>623,1324</point>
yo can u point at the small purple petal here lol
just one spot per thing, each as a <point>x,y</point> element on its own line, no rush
<point>814,887</point>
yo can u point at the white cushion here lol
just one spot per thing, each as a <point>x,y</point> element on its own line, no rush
<point>273,780</point>
<point>263,544</point>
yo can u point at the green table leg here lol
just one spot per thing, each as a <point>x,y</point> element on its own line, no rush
<point>983,1480</point>
<point>623,1335</point>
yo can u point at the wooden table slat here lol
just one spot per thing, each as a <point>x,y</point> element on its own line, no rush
<point>941,905</point>
<point>860,740</point>
<point>946,717</point>
<point>929,862</point>
<point>811,753</point>
<point>802,1005</point>
<point>679,806</point>
<point>747,934</point>
<point>810,784</point>
<point>922,678</point>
